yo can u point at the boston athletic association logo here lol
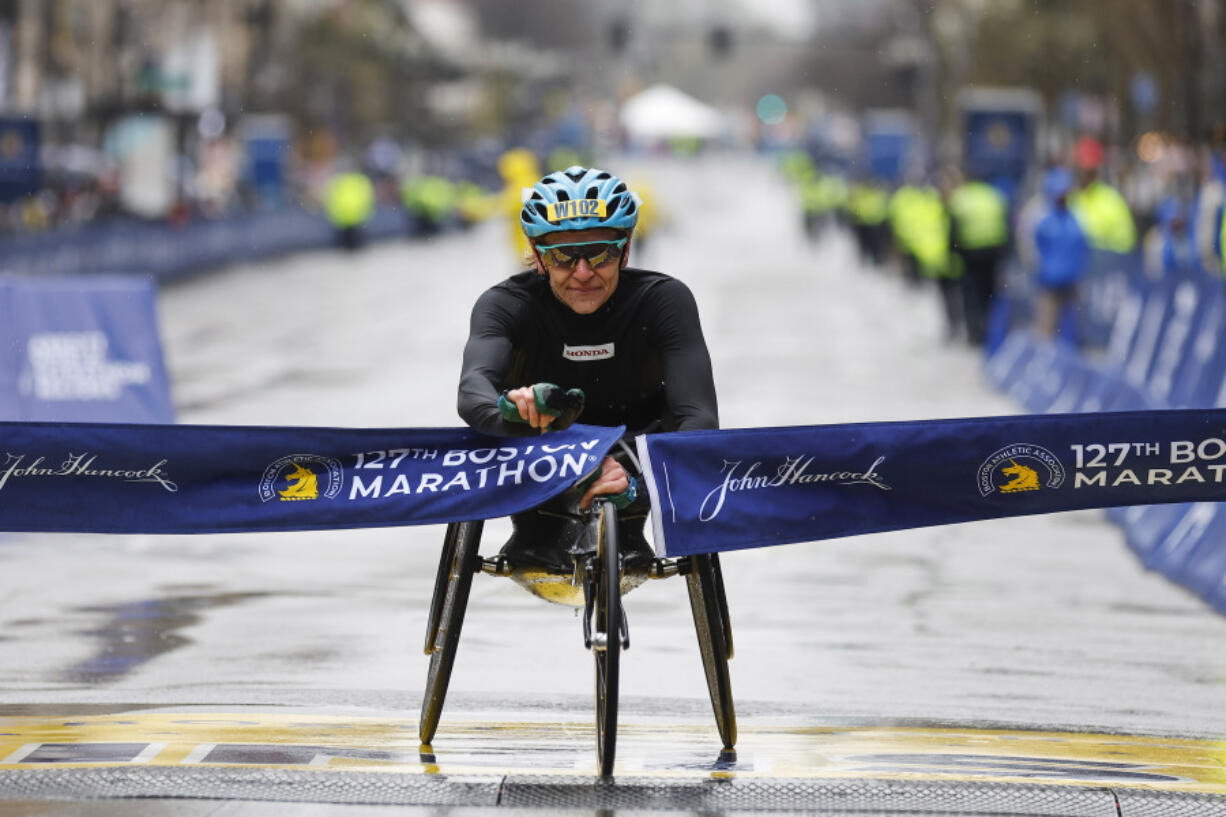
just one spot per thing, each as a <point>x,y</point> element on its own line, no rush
<point>301,477</point>
<point>1018,469</point>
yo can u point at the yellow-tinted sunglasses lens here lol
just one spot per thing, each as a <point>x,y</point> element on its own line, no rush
<point>568,255</point>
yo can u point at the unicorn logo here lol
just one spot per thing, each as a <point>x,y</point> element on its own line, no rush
<point>303,484</point>
<point>1021,478</point>
<point>1025,466</point>
<point>301,477</point>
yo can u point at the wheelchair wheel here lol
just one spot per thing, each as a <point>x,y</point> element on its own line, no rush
<point>606,643</point>
<point>710,609</point>
<point>441,580</point>
<point>454,580</point>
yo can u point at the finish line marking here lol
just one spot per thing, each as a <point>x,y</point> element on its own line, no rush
<point>149,752</point>
<point>20,754</point>
<point>484,748</point>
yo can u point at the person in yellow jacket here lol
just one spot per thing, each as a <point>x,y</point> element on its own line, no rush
<point>913,225</point>
<point>980,220</point>
<point>934,251</point>
<point>822,196</point>
<point>652,215</point>
<point>519,169</point>
<point>922,228</point>
<point>1103,213</point>
<point>797,166</point>
<point>430,202</point>
<point>901,209</point>
<point>868,208</point>
<point>473,203</point>
<point>350,203</point>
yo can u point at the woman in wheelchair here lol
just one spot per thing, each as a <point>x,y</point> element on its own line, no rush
<point>625,343</point>
<point>627,348</point>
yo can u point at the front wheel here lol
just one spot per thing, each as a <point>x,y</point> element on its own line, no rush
<point>710,609</point>
<point>606,638</point>
<point>453,582</point>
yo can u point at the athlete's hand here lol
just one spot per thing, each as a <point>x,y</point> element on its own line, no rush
<point>613,480</point>
<point>520,406</point>
<point>542,405</point>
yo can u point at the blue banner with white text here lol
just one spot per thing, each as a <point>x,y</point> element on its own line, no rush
<point>159,479</point>
<point>81,350</point>
<point>731,489</point>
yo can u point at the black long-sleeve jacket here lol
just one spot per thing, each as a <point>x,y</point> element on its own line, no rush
<point>640,359</point>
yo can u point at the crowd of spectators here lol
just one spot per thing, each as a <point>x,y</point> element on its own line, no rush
<point>1159,199</point>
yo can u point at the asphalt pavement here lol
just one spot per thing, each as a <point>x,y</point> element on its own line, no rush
<point>1023,633</point>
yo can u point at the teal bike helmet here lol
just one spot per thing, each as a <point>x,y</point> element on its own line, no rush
<point>578,198</point>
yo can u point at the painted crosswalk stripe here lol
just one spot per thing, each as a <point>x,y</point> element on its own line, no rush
<point>21,754</point>
<point>149,752</point>
<point>200,753</point>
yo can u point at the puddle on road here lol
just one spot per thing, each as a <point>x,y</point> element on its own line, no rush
<point>134,633</point>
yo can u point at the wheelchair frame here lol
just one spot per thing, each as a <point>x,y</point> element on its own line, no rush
<point>598,570</point>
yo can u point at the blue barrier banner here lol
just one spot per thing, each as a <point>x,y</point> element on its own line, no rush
<point>1203,568</point>
<point>731,489</point>
<point>1199,375</point>
<point>1147,527</point>
<point>163,251</point>
<point>1103,293</point>
<point>159,479</point>
<point>82,349</point>
<point>1052,377</point>
<point>1192,299</point>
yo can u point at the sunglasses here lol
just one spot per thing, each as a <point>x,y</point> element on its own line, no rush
<point>568,255</point>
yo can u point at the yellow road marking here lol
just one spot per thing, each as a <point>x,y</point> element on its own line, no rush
<point>466,746</point>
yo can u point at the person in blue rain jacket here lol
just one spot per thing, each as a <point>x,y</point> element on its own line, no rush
<point>1063,254</point>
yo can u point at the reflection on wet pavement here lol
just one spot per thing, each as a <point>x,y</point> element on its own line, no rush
<point>134,633</point>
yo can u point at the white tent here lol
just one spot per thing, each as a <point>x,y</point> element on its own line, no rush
<point>662,112</point>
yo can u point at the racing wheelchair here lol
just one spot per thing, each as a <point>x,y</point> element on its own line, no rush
<point>595,578</point>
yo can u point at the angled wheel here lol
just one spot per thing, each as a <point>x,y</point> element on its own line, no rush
<point>441,580</point>
<point>606,638</point>
<point>454,580</point>
<point>705,583</point>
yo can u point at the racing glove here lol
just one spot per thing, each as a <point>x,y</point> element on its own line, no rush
<point>551,400</point>
<point>626,498</point>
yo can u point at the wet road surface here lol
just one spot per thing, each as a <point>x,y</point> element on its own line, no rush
<point>980,632</point>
